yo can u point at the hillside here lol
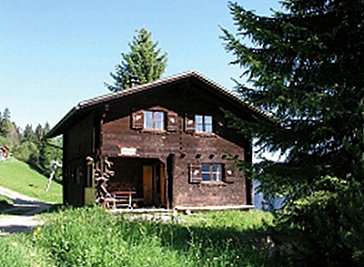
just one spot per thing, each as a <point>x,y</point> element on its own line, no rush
<point>20,177</point>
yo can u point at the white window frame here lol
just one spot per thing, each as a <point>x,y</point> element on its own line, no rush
<point>213,176</point>
<point>155,123</point>
<point>204,126</point>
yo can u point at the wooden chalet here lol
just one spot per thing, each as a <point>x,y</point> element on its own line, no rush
<point>168,141</point>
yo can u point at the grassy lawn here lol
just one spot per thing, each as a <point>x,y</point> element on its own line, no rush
<point>93,237</point>
<point>18,176</point>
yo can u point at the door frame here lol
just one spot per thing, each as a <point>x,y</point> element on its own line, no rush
<point>154,183</point>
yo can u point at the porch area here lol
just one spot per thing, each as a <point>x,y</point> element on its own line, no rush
<point>137,183</point>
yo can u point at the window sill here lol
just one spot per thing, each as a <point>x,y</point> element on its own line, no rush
<point>213,183</point>
<point>150,131</point>
<point>203,134</point>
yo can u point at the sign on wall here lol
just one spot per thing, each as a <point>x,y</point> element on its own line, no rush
<point>128,151</point>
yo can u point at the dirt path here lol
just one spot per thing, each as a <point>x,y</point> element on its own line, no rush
<point>25,208</point>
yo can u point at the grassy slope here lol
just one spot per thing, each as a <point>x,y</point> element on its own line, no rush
<point>18,176</point>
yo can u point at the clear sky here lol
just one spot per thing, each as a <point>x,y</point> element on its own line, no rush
<point>53,54</point>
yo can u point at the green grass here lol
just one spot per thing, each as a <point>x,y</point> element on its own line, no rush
<point>18,250</point>
<point>20,177</point>
<point>92,237</point>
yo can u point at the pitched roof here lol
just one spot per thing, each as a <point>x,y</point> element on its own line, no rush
<point>92,102</point>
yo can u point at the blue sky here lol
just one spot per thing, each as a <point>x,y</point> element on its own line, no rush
<point>53,54</point>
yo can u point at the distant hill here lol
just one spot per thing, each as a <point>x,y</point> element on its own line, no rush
<point>20,177</point>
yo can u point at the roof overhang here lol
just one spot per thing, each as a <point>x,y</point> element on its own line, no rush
<point>69,119</point>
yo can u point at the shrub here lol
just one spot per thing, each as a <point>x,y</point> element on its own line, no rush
<point>325,227</point>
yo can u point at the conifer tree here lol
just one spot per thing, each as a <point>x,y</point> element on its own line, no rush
<point>305,66</point>
<point>9,132</point>
<point>145,61</point>
<point>28,134</point>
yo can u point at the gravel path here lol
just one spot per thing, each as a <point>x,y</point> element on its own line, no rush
<point>26,206</point>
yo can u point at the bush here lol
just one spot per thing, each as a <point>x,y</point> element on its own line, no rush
<point>27,152</point>
<point>325,228</point>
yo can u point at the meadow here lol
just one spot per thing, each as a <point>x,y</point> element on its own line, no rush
<point>20,177</point>
<point>93,237</point>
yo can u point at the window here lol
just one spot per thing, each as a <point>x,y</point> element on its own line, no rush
<point>203,123</point>
<point>154,120</point>
<point>212,172</point>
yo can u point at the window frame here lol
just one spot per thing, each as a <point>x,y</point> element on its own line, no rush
<point>214,176</point>
<point>155,121</point>
<point>202,125</point>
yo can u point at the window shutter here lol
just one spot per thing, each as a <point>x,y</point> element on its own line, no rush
<point>189,123</point>
<point>195,173</point>
<point>172,121</point>
<point>137,121</point>
<point>229,175</point>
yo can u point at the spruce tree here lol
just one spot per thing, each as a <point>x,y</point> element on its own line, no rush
<point>145,62</point>
<point>305,66</point>
<point>28,134</point>
<point>9,132</point>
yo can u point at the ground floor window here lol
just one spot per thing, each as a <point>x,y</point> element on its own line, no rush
<point>212,172</point>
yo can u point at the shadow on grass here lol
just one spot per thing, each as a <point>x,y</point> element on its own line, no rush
<point>4,205</point>
<point>54,208</point>
<point>181,237</point>
<point>245,247</point>
<point>14,229</point>
<point>29,208</point>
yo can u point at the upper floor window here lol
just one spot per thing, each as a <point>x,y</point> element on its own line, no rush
<point>212,172</point>
<point>154,120</point>
<point>203,123</point>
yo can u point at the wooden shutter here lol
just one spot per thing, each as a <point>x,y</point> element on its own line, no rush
<point>195,175</point>
<point>189,123</point>
<point>172,121</point>
<point>229,174</point>
<point>137,120</point>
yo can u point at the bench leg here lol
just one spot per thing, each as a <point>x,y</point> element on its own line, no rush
<point>130,202</point>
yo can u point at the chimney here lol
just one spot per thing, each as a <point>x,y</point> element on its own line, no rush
<point>134,81</point>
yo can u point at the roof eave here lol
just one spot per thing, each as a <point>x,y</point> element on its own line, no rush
<point>93,102</point>
<point>57,130</point>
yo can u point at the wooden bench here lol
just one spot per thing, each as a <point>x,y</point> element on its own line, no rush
<point>119,199</point>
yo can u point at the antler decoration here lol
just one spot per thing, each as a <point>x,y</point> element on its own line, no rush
<point>102,173</point>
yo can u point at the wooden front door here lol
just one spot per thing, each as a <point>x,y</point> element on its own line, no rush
<point>148,184</point>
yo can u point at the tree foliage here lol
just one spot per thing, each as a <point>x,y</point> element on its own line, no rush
<point>145,61</point>
<point>9,132</point>
<point>304,65</point>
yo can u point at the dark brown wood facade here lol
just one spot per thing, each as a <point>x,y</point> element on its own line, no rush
<point>164,166</point>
